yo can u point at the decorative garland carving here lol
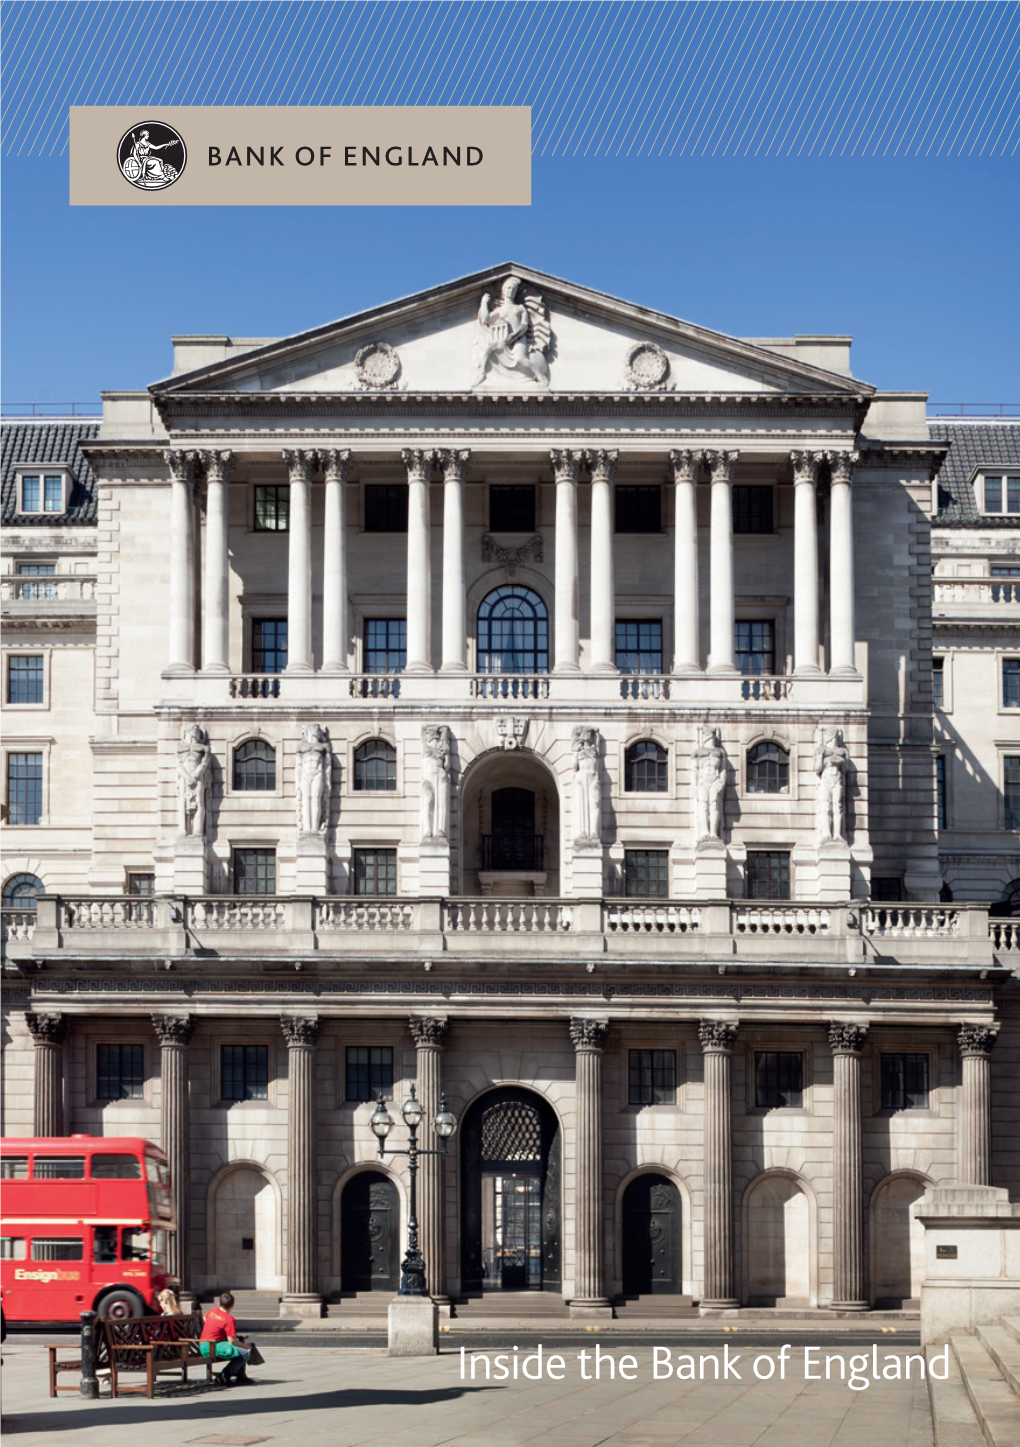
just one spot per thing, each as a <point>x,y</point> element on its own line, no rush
<point>845,1039</point>
<point>976,1039</point>
<point>300,1030</point>
<point>47,1029</point>
<point>512,560</point>
<point>588,1034</point>
<point>429,1030</point>
<point>377,367</point>
<point>717,1035</point>
<point>646,369</point>
<point>173,1029</point>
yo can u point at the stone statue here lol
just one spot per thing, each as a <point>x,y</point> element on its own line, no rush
<point>435,781</point>
<point>515,335</point>
<point>708,761</point>
<point>313,773</point>
<point>587,790</point>
<point>194,757</point>
<point>832,760</point>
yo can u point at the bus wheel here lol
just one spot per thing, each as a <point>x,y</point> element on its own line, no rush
<point>120,1305</point>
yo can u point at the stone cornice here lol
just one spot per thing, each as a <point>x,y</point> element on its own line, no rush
<point>903,456</point>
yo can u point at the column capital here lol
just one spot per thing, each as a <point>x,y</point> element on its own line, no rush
<point>846,1038</point>
<point>976,1039</point>
<point>602,464</point>
<point>334,463</point>
<point>841,466</point>
<point>418,462</point>
<point>174,1029</point>
<point>566,463</point>
<point>181,464</point>
<point>721,464</point>
<point>217,465</point>
<point>588,1034</point>
<point>47,1028</point>
<point>805,467</point>
<point>454,462</point>
<point>300,463</point>
<point>685,465</point>
<point>717,1036</point>
<point>429,1030</point>
<point>300,1030</point>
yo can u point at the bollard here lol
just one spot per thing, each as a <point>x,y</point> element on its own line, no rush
<point>89,1385</point>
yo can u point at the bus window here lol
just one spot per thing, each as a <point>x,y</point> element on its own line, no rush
<point>156,1172</point>
<point>59,1168</point>
<point>116,1168</point>
<point>13,1248</point>
<point>136,1245</point>
<point>158,1247</point>
<point>104,1245</point>
<point>58,1248</point>
<point>14,1168</point>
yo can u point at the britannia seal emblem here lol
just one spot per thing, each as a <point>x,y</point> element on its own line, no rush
<point>151,156</point>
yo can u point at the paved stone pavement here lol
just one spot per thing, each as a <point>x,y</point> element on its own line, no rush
<point>348,1397</point>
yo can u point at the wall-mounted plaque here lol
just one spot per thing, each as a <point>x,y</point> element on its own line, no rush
<point>945,1253</point>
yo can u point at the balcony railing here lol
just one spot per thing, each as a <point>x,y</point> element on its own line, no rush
<point>977,592</point>
<point>509,685</point>
<point>513,852</point>
<point>56,588</point>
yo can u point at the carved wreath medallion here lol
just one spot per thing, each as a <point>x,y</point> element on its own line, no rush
<point>646,368</point>
<point>377,366</point>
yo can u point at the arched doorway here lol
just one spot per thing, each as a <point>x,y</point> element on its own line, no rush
<point>370,1233</point>
<point>244,1231</point>
<point>778,1240</point>
<point>510,812</point>
<point>510,1152</point>
<point>651,1237</point>
<point>897,1243</point>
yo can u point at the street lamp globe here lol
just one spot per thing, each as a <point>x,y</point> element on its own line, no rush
<point>382,1121</point>
<point>412,1110</point>
<point>445,1122</point>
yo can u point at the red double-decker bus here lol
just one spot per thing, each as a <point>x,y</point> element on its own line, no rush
<point>86,1224</point>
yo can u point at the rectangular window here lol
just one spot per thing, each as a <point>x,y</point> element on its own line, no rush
<point>1002,492</point>
<point>778,1079</point>
<point>369,1072</point>
<point>59,1168</point>
<point>25,678</point>
<point>14,1168</point>
<point>13,1248</point>
<point>268,645</point>
<point>768,874</point>
<point>36,592</point>
<point>940,791</point>
<point>904,1081</point>
<point>886,888</point>
<point>375,871</point>
<point>385,645</point>
<point>116,1168</point>
<point>639,645</point>
<point>512,508</point>
<point>938,681</point>
<point>24,788</point>
<point>142,884</point>
<point>752,509</point>
<point>272,509</point>
<point>755,647</point>
<point>58,1248</point>
<point>53,494</point>
<point>31,493</point>
<point>1011,683</point>
<point>386,507</point>
<point>638,509</point>
<point>244,1072</point>
<point>120,1072</point>
<point>1007,591</point>
<point>652,1077</point>
<point>646,873</point>
<point>1011,791</point>
<point>254,871</point>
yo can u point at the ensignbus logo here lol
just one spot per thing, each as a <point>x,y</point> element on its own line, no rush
<point>151,156</point>
<point>45,1276</point>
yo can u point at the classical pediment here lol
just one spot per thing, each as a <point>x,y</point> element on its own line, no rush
<point>507,329</point>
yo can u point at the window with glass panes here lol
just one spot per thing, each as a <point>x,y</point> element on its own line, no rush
<point>24,788</point>
<point>938,679</point>
<point>244,1072</point>
<point>512,508</point>
<point>254,871</point>
<point>646,873</point>
<point>386,507</point>
<point>385,645</point>
<point>375,871</point>
<point>369,1072</point>
<point>120,1072</point>
<point>25,678</point>
<point>1011,683</point>
<point>1011,791</point>
<point>651,1077</point>
<point>645,768</point>
<point>768,769</point>
<point>141,884</point>
<point>752,509</point>
<point>22,890</point>
<point>255,765</point>
<point>272,508</point>
<point>268,645</point>
<point>639,645</point>
<point>375,766</point>
<point>37,592</point>
<point>1002,492</point>
<point>940,791</point>
<point>767,874</point>
<point>778,1079</point>
<point>1006,591</point>
<point>42,493</point>
<point>754,645</point>
<point>638,509</point>
<point>886,888</point>
<point>904,1081</point>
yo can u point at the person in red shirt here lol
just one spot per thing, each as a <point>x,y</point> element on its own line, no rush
<point>220,1340</point>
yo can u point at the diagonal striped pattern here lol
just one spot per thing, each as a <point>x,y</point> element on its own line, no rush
<point>890,78</point>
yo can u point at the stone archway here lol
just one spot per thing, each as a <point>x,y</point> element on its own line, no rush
<point>777,1216</point>
<point>652,1242</point>
<point>504,854</point>
<point>897,1242</point>
<point>245,1226</point>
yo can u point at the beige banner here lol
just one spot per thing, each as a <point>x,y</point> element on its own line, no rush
<point>301,156</point>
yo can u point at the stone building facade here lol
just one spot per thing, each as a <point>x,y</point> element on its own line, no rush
<point>528,695</point>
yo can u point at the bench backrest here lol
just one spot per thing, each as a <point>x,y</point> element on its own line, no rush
<point>141,1330</point>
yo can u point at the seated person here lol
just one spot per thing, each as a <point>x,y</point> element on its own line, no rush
<point>219,1339</point>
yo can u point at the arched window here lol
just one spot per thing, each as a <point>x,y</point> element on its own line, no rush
<point>644,768</point>
<point>255,765</point>
<point>513,632</point>
<point>21,890</point>
<point>768,769</point>
<point>375,765</point>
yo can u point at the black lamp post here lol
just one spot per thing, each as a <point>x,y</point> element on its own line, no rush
<point>412,1268</point>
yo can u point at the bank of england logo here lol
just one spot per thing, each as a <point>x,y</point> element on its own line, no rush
<point>151,156</point>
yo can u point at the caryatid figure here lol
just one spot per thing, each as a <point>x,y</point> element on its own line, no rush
<point>587,786</point>
<point>313,779</point>
<point>832,761</point>
<point>435,782</point>
<point>709,768</point>
<point>194,757</point>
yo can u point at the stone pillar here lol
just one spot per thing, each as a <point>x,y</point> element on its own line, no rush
<point>717,1037</point>
<point>182,561</point>
<point>975,1042</point>
<point>419,565</point>
<point>174,1032</point>
<point>300,466</point>
<point>805,562</point>
<point>334,562</point>
<point>215,603</point>
<point>589,1298</point>
<point>603,588</point>
<point>841,564</point>
<point>687,646</point>
<point>49,1032</point>
<point>721,647</point>
<point>567,632</point>
<point>301,1298</point>
<point>429,1034</point>
<point>846,1042</point>
<point>454,465</point>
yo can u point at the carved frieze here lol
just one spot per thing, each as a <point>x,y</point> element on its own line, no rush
<point>300,1030</point>
<point>646,369</point>
<point>588,1034</point>
<point>173,1029</point>
<point>847,1039</point>
<point>377,368</point>
<point>512,560</point>
<point>717,1035</point>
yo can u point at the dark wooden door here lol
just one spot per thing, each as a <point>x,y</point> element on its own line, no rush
<point>513,829</point>
<point>651,1237</point>
<point>370,1233</point>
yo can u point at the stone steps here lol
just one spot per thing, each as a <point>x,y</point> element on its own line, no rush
<point>512,1305</point>
<point>954,1420</point>
<point>1004,1349</point>
<point>996,1409</point>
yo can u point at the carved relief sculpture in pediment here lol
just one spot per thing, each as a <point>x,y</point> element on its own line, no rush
<point>377,368</point>
<point>646,369</point>
<point>515,335</point>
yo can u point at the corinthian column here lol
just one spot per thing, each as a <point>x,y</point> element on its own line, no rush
<point>215,615</point>
<point>49,1033</point>
<point>687,650</point>
<point>419,565</point>
<point>454,465</point>
<point>805,561</point>
<point>975,1042</point>
<point>300,466</point>
<point>567,633</point>
<point>589,1298</point>
<point>174,1032</point>
<point>301,1298</point>
<point>846,1043</point>
<point>429,1034</point>
<point>334,562</point>
<point>721,647</point>
<point>603,588</point>
<point>717,1037</point>
<point>841,564</point>
<point>182,561</point>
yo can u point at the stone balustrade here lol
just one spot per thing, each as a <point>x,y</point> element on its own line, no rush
<point>57,588</point>
<point>1001,591</point>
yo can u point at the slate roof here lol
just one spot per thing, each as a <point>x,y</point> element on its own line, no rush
<point>39,444</point>
<point>976,445</point>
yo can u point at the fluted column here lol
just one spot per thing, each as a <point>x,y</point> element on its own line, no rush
<point>429,1035</point>
<point>687,646</point>
<point>49,1032</point>
<point>603,587</point>
<point>301,1033</point>
<point>841,564</point>
<point>174,1032</point>
<point>717,1037</point>
<point>975,1042</point>
<point>567,633</point>
<point>215,606</point>
<point>847,1042</point>
<point>182,561</point>
<point>805,561</point>
<point>589,1298</point>
<point>300,466</point>
<point>334,561</point>
<point>419,564</point>
<point>721,620</point>
<point>454,465</point>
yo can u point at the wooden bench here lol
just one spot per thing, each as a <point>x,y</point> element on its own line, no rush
<point>154,1345</point>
